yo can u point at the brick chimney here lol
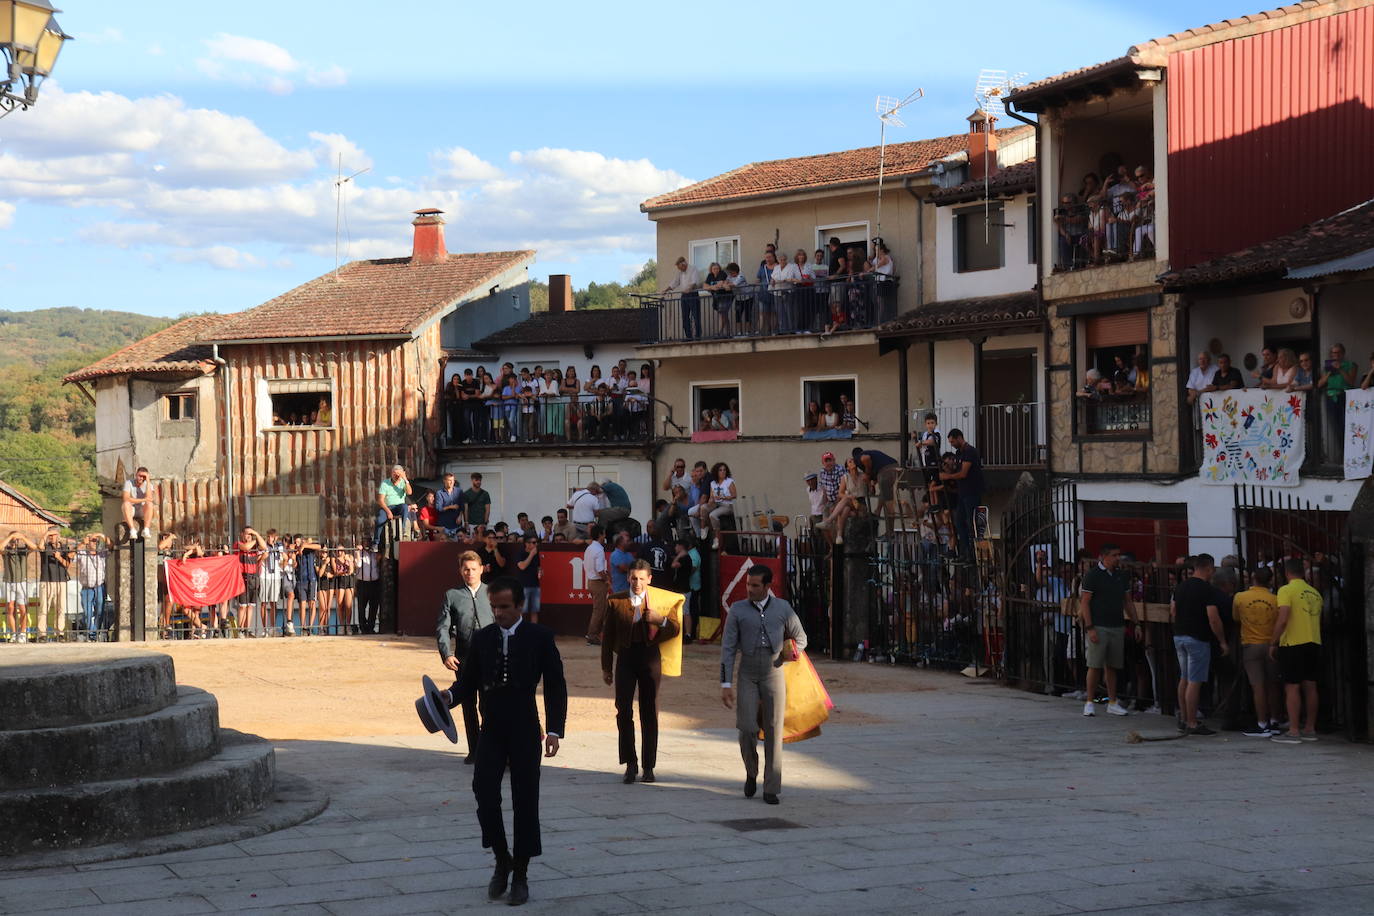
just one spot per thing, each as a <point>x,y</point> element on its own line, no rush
<point>982,145</point>
<point>429,237</point>
<point>560,293</point>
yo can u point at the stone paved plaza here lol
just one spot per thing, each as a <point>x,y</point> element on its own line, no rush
<point>961,797</point>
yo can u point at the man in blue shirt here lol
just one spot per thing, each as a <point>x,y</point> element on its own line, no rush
<point>621,561</point>
<point>448,500</point>
<point>618,508</point>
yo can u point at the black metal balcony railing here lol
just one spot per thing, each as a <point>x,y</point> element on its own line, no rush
<point>830,305</point>
<point>1129,414</point>
<point>580,419</point>
<point>1105,232</point>
<point>1006,435</point>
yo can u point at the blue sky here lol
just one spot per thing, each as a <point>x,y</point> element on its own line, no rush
<point>182,158</point>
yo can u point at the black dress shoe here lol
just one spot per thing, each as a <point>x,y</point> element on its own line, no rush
<point>630,772</point>
<point>519,892</point>
<point>648,776</point>
<point>497,886</point>
<point>770,798</point>
<point>470,759</point>
<point>751,785</point>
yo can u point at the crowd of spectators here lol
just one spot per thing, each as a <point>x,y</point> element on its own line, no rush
<point>1100,645</point>
<point>833,289</point>
<point>538,404</point>
<point>41,579</point>
<point>1283,369</point>
<point>1106,222</point>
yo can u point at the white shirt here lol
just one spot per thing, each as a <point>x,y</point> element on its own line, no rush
<point>583,505</point>
<point>639,603</point>
<point>720,491</point>
<point>1200,378</point>
<point>791,273</point>
<point>687,279</point>
<point>885,269</point>
<point>675,481</point>
<point>594,561</point>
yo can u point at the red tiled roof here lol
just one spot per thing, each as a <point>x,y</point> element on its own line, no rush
<point>27,503</point>
<point>810,173</point>
<point>575,327</point>
<point>1010,180</point>
<point>174,350</point>
<point>387,297</point>
<point>1081,75</point>
<point>1347,233</point>
<point>933,318</point>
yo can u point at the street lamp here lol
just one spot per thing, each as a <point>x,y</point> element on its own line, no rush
<point>30,40</point>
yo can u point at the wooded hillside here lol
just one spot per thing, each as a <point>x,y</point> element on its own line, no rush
<point>47,430</point>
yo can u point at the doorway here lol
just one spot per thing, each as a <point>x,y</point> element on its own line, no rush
<point>1007,412</point>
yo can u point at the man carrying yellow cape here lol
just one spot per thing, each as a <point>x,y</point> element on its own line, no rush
<point>765,633</point>
<point>640,642</point>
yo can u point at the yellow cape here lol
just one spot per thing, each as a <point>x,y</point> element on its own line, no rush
<point>808,702</point>
<point>670,652</point>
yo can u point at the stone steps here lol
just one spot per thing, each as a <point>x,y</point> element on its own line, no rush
<point>177,735</point>
<point>236,781</point>
<point>48,687</point>
<point>99,747</point>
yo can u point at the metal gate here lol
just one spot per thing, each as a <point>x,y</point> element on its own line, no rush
<point>1272,525</point>
<point>1040,536</point>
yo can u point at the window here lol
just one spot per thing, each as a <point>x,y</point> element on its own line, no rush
<point>715,406</point>
<point>287,403</point>
<point>288,514</point>
<point>832,390</point>
<point>978,240</point>
<point>1118,347</point>
<point>180,405</point>
<point>722,251</point>
<point>1032,230</point>
<point>851,235</point>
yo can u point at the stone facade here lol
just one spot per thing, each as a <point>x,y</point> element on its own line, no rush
<point>1103,282</point>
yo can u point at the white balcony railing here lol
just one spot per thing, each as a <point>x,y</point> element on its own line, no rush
<point>1006,435</point>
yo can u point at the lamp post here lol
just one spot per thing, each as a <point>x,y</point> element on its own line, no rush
<point>30,40</point>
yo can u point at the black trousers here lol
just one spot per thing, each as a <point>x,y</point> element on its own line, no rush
<point>639,666</point>
<point>472,725</point>
<point>513,746</point>
<point>369,600</point>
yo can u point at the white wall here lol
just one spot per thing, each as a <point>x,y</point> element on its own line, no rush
<point>540,486</point>
<point>1211,509</point>
<point>562,356</point>
<point>1018,272</point>
<point>112,427</point>
<point>1239,324</point>
<point>953,373</point>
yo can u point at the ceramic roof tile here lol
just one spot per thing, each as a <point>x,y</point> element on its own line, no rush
<point>385,297</point>
<point>809,173</point>
<point>174,350</point>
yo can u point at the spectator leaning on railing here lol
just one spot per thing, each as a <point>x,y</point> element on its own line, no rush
<point>684,286</point>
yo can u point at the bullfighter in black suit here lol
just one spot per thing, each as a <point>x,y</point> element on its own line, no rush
<point>503,668</point>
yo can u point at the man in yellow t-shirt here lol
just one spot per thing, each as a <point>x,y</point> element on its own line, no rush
<point>1256,609</point>
<point>1297,645</point>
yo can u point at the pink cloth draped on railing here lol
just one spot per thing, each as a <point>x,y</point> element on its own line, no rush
<point>716,435</point>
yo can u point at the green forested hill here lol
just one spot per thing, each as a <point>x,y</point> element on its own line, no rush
<point>47,430</point>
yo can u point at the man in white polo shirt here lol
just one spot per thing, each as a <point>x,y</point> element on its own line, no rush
<point>598,581</point>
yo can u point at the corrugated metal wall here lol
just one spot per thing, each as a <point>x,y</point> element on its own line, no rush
<point>1268,133</point>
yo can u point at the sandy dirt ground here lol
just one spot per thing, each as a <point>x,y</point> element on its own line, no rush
<point>341,687</point>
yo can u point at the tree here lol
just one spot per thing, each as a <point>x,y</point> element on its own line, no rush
<point>616,295</point>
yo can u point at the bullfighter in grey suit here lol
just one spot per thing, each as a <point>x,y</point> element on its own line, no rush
<point>466,610</point>
<point>757,630</point>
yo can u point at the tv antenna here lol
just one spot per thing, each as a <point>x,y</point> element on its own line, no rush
<point>888,109</point>
<point>339,217</point>
<point>991,88</point>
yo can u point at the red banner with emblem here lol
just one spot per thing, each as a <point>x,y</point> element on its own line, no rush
<point>204,581</point>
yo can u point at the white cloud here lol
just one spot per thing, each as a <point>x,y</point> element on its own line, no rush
<point>172,183</point>
<point>6,215</point>
<point>106,36</point>
<point>255,63</point>
<point>328,77</point>
<point>331,146</point>
<point>459,164</point>
<point>219,256</point>
<point>255,51</point>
